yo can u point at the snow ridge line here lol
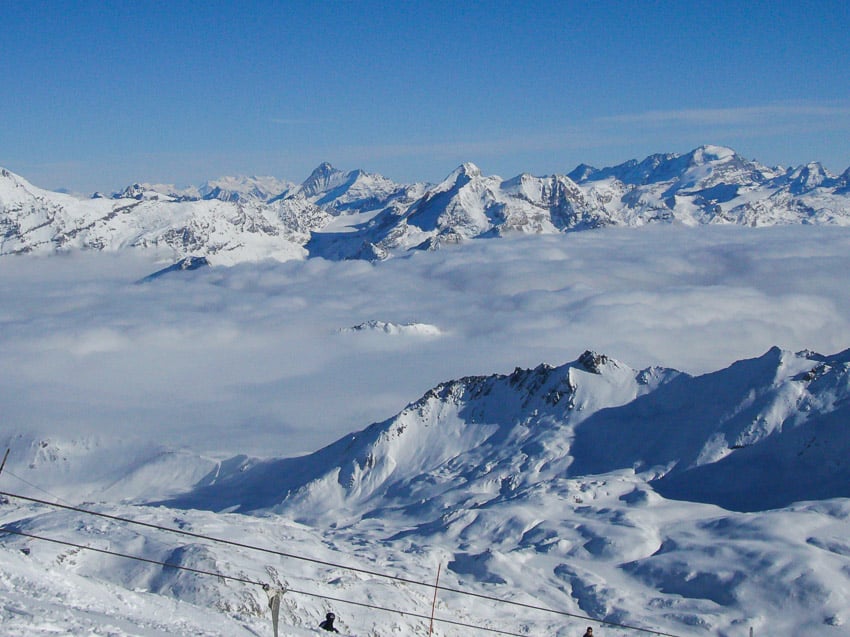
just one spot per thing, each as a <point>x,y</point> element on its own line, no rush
<point>307,559</point>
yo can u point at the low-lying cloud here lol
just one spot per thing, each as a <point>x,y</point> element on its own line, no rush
<point>251,358</point>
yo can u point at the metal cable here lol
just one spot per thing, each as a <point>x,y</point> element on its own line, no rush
<point>339,566</point>
<point>254,582</point>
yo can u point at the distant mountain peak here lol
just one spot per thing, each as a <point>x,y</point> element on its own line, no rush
<point>242,189</point>
<point>581,172</point>
<point>323,178</point>
<point>323,169</point>
<point>708,152</point>
<point>809,176</point>
<point>466,171</point>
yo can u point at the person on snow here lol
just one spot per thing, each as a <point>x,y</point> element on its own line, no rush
<point>588,632</point>
<point>328,624</point>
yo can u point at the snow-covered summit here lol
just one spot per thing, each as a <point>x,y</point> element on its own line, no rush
<point>343,215</point>
<point>809,177</point>
<point>323,178</point>
<point>460,176</point>
<point>244,189</point>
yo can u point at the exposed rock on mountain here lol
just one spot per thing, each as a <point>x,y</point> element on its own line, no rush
<point>357,215</point>
<point>760,434</point>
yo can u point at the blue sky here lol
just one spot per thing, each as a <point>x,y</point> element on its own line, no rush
<point>97,95</point>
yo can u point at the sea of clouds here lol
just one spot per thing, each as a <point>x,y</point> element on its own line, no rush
<point>255,358</point>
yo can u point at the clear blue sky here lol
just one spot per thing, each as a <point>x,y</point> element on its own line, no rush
<point>97,95</point>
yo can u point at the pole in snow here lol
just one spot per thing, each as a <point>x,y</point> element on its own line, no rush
<point>3,464</point>
<point>274,604</point>
<point>434,603</point>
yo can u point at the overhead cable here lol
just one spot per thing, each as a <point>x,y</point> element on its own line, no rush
<point>255,582</point>
<point>353,569</point>
<point>34,486</point>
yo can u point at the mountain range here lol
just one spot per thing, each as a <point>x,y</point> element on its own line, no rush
<point>665,501</point>
<point>357,215</point>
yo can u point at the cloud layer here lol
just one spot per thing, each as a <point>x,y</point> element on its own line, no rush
<point>251,359</point>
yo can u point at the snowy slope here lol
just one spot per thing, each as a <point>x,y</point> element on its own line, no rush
<point>760,434</point>
<point>585,488</point>
<point>498,432</point>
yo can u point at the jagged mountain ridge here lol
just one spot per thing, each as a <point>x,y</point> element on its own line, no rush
<point>340,215</point>
<point>479,439</point>
<point>468,423</point>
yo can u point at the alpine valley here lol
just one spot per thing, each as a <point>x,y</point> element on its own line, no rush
<point>158,481</point>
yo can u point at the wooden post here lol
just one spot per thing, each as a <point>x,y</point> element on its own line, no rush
<point>434,603</point>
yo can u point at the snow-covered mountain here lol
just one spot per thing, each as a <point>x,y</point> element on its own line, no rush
<point>341,215</point>
<point>41,222</point>
<point>244,189</point>
<point>713,184</point>
<point>758,435</point>
<point>590,488</point>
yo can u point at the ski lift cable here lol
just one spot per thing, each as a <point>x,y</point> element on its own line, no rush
<point>33,536</point>
<point>36,487</point>
<point>354,569</point>
<point>255,582</point>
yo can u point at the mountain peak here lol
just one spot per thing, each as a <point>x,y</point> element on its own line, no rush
<point>8,175</point>
<point>466,169</point>
<point>461,176</point>
<point>581,172</point>
<point>593,361</point>
<point>12,187</point>
<point>707,153</point>
<point>810,176</point>
<point>323,177</point>
<point>323,169</point>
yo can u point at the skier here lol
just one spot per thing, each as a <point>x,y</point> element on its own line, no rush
<point>328,624</point>
<point>588,632</point>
